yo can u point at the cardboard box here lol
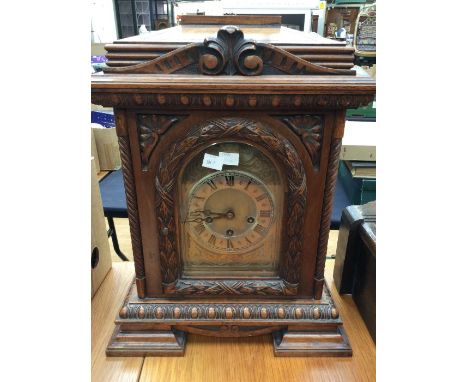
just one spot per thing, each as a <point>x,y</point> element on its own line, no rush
<point>101,261</point>
<point>107,146</point>
<point>94,153</point>
<point>359,141</point>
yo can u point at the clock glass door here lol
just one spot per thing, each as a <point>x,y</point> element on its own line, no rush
<point>230,212</point>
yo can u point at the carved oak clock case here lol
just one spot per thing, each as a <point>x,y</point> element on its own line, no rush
<point>229,150</point>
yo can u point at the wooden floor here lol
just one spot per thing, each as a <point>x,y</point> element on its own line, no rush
<point>214,359</point>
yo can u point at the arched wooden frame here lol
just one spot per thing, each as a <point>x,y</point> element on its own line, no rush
<point>168,168</point>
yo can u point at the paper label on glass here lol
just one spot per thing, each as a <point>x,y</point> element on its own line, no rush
<point>231,159</point>
<point>212,161</point>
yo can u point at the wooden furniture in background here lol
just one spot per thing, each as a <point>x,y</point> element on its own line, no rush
<point>365,32</point>
<point>342,17</point>
<point>315,19</point>
<point>230,90</point>
<point>229,20</point>
<point>355,262</point>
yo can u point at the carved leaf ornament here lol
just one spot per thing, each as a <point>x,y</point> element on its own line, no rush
<point>151,127</point>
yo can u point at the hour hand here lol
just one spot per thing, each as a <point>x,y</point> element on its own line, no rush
<point>197,220</point>
<point>207,219</point>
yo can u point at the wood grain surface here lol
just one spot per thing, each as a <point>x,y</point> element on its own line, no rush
<point>226,359</point>
<point>105,304</point>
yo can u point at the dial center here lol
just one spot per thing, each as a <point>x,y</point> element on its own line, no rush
<point>233,220</point>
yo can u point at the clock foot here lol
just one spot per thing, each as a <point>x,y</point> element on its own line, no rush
<point>330,341</point>
<point>141,343</point>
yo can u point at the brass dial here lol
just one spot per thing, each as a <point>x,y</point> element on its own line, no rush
<point>230,211</point>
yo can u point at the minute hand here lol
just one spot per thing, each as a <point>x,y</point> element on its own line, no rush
<point>209,213</point>
<point>217,215</point>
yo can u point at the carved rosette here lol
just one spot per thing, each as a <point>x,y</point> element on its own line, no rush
<point>232,128</point>
<point>310,129</point>
<point>150,128</point>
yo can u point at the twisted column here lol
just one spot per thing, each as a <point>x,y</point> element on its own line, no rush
<point>327,207</point>
<point>132,207</point>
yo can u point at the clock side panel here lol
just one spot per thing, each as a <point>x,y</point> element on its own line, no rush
<point>144,186</point>
<point>141,138</point>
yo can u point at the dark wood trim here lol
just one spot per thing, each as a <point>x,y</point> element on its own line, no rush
<point>210,101</point>
<point>153,18</point>
<point>135,20</point>
<point>305,85</point>
<point>117,15</point>
<point>315,23</point>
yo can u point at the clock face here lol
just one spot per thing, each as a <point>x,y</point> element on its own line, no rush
<point>230,212</point>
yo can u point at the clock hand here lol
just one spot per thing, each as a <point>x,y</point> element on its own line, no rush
<point>217,215</point>
<point>209,213</point>
<point>208,219</point>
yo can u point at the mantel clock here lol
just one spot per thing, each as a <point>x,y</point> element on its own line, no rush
<point>230,139</point>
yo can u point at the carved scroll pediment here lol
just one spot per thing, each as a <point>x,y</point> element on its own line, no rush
<point>229,53</point>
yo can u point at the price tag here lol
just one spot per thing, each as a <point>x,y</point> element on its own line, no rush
<point>231,159</point>
<point>212,161</point>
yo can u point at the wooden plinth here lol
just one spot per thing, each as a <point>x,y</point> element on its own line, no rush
<point>137,343</point>
<point>327,341</point>
<point>158,326</point>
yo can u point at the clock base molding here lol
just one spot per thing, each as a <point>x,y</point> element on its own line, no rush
<point>141,343</point>
<point>158,326</point>
<point>322,341</point>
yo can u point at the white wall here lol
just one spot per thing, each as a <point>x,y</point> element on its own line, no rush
<point>211,8</point>
<point>103,21</point>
